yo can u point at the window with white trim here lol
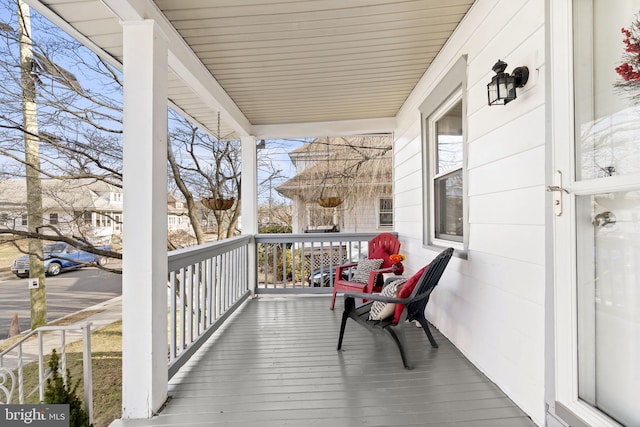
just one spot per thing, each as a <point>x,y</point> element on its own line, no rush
<point>385,212</point>
<point>446,178</point>
<point>444,162</point>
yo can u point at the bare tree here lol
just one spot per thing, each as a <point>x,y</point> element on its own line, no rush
<point>205,166</point>
<point>70,131</point>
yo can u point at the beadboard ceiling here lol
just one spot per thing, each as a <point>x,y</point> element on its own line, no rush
<point>277,62</point>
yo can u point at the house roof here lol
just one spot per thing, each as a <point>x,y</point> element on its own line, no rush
<point>279,68</point>
<point>70,195</point>
<point>341,165</point>
<point>73,194</point>
<point>172,205</point>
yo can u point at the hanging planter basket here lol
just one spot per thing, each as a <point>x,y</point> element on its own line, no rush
<point>329,202</point>
<point>218,204</point>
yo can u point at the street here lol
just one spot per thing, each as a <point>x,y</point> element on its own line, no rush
<point>67,293</point>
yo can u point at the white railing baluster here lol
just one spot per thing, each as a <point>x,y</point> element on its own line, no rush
<point>190,336</point>
<point>63,358</point>
<point>173,317</point>
<point>183,311</point>
<point>198,295</point>
<point>216,279</point>
<point>87,370</point>
<point>20,376</point>
<point>40,367</point>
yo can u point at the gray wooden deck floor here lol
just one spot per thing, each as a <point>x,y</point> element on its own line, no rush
<point>276,365</point>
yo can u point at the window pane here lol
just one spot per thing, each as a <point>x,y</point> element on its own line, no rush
<point>386,205</point>
<point>386,219</point>
<point>607,107</point>
<point>608,252</point>
<point>448,199</point>
<point>53,218</point>
<point>449,140</point>
<point>385,214</point>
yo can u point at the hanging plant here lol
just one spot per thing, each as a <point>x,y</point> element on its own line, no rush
<point>219,201</point>
<point>218,204</point>
<point>329,202</point>
<point>629,70</point>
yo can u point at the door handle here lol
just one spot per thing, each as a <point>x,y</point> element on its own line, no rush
<point>556,188</point>
<point>603,219</point>
<point>557,191</point>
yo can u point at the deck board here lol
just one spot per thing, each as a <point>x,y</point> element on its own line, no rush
<point>276,364</point>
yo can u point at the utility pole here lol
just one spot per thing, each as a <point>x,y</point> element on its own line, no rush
<point>32,160</point>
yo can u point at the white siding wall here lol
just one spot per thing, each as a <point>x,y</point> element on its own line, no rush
<point>491,306</point>
<point>363,216</point>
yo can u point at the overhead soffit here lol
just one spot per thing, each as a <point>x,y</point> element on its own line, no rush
<point>292,61</point>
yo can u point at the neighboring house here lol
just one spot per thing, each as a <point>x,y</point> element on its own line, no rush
<point>77,207</point>
<point>178,220</point>
<point>354,171</point>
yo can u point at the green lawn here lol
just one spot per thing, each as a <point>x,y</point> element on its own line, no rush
<point>106,349</point>
<point>8,252</point>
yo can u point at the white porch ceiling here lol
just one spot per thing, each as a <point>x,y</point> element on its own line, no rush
<point>276,67</point>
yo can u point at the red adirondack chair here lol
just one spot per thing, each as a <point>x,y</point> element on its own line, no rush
<point>380,247</point>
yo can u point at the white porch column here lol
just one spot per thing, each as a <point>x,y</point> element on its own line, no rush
<point>144,258</point>
<point>249,209</point>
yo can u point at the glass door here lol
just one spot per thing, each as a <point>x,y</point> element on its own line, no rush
<point>598,236</point>
<point>608,293</point>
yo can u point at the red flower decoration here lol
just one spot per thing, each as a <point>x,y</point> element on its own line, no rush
<point>396,258</point>
<point>629,70</point>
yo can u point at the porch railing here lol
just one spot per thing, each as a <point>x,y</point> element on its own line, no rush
<point>305,262</point>
<point>14,359</point>
<point>206,284</point>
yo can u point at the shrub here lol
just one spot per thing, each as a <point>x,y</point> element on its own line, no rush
<point>275,229</point>
<point>57,392</point>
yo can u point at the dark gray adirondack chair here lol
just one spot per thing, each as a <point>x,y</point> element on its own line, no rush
<point>414,308</point>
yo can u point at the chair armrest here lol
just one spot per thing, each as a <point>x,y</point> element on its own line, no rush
<point>373,275</point>
<point>347,265</point>
<point>339,269</point>
<point>383,298</point>
<point>376,297</point>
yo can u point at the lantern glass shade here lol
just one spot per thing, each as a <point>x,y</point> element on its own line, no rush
<point>502,89</point>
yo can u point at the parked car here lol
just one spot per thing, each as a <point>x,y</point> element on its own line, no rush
<point>58,257</point>
<point>326,277</point>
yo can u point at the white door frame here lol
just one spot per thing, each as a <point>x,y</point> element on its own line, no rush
<point>562,350</point>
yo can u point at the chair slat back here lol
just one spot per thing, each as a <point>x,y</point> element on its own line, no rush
<point>427,282</point>
<point>388,241</point>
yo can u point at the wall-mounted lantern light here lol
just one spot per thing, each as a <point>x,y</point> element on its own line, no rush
<point>502,88</point>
